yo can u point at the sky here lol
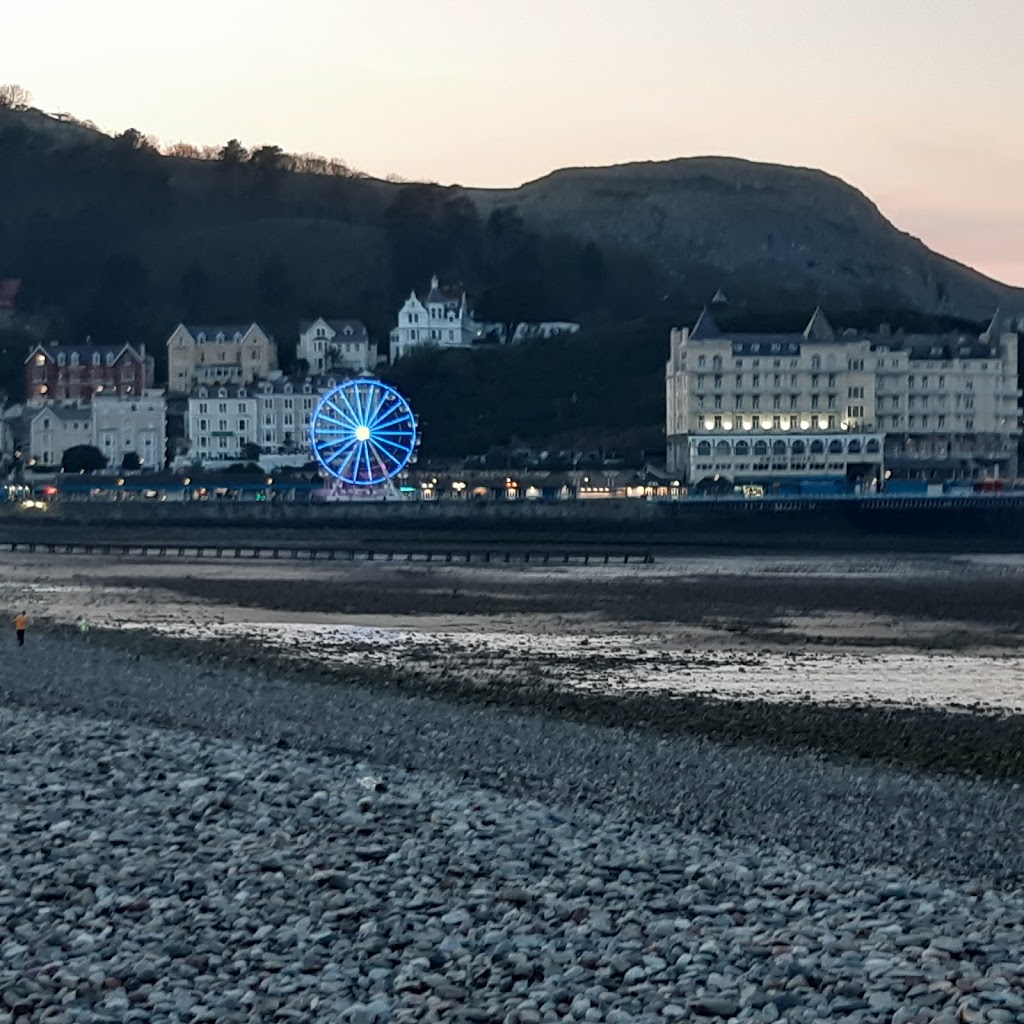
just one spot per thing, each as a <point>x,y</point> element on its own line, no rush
<point>918,103</point>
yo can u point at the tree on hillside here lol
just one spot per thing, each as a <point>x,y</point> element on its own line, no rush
<point>14,97</point>
<point>269,160</point>
<point>183,149</point>
<point>83,458</point>
<point>233,154</point>
<point>131,140</point>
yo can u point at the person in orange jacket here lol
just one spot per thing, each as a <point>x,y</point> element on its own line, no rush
<point>20,624</point>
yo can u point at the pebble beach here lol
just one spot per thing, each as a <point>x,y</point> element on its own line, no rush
<point>202,839</point>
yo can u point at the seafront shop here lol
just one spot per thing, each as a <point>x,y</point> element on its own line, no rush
<point>205,486</point>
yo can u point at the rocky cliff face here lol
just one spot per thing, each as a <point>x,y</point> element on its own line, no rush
<point>764,233</point>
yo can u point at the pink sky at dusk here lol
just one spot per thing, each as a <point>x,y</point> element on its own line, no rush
<point>918,103</point>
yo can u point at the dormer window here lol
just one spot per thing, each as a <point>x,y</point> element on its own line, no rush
<point>220,336</point>
<point>61,359</point>
<point>203,392</point>
<point>287,389</point>
<point>238,335</point>
<point>242,393</point>
<point>222,393</point>
<point>96,359</point>
<point>348,330</point>
<point>74,359</point>
<point>201,337</point>
<point>110,359</point>
<point>306,389</point>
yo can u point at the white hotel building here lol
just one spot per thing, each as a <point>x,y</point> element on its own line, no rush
<point>118,425</point>
<point>756,408</point>
<point>273,414</point>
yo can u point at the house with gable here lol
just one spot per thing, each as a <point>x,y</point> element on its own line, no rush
<point>442,318</point>
<point>327,345</point>
<point>218,354</point>
<point>61,372</point>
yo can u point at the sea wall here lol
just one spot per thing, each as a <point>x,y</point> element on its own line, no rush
<point>968,524</point>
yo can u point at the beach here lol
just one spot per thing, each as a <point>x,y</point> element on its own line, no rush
<point>391,792</point>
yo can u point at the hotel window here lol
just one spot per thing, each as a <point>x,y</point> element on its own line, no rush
<point>718,423</point>
<point>718,383</point>
<point>718,401</point>
<point>702,361</point>
<point>739,381</point>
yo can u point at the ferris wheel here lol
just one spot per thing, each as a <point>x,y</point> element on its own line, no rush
<point>362,432</point>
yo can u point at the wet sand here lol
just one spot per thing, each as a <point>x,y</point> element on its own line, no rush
<point>806,651</point>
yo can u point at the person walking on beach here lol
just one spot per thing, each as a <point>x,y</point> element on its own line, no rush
<point>20,624</point>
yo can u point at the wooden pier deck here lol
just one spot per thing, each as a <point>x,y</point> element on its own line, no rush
<point>383,553</point>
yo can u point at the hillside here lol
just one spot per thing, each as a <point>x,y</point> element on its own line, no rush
<point>768,235</point>
<point>114,241</point>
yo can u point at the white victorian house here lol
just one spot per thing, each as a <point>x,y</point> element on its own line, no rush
<point>442,319</point>
<point>327,345</point>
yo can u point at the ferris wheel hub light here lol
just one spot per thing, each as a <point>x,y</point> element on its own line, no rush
<point>362,433</point>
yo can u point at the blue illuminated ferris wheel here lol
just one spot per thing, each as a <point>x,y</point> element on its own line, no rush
<point>363,432</point>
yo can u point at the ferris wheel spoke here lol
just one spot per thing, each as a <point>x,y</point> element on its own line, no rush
<point>392,449</point>
<point>324,418</point>
<point>352,410</point>
<point>384,458</point>
<point>399,416</point>
<point>393,433</point>
<point>347,416</point>
<point>374,416</point>
<point>357,399</point>
<point>365,452</point>
<point>345,466</point>
<point>336,448</point>
<point>388,466</point>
